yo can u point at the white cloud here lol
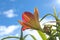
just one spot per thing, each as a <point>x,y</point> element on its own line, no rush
<point>17,35</point>
<point>34,33</point>
<point>58,1</point>
<point>8,30</point>
<point>46,22</point>
<point>10,13</point>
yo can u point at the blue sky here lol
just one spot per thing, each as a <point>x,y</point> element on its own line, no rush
<point>11,11</point>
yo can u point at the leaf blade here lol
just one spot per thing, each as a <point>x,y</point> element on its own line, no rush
<point>31,36</point>
<point>43,36</point>
<point>10,37</point>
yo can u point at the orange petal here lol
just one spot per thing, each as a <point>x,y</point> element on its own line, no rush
<point>27,16</point>
<point>25,26</point>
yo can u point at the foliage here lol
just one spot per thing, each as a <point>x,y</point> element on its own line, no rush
<point>47,30</point>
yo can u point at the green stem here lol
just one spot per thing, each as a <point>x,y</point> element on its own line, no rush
<point>43,36</point>
<point>21,36</point>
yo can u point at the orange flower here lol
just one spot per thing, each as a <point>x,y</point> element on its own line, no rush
<point>30,21</point>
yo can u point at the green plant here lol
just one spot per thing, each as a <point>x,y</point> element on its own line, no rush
<point>53,33</point>
<point>34,23</point>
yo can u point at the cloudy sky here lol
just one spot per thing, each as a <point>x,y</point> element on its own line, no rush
<point>11,11</point>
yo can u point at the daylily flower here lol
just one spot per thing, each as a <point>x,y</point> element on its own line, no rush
<point>30,21</point>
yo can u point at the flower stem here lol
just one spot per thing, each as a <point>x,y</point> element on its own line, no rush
<point>21,36</point>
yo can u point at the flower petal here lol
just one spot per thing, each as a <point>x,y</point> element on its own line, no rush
<point>25,25</point>
<point>36,14</point>
<point>27,16</point>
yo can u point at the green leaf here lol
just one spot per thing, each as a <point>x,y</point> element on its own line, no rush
<point>55,11</point>
<point>25,36</point>
<point>45,16</point>
<point>43,36</point>
<point>31,36</point>
<point>55,15</point>
<point>54,31</point>
<point>10,37</point>
<point>49,15</point>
